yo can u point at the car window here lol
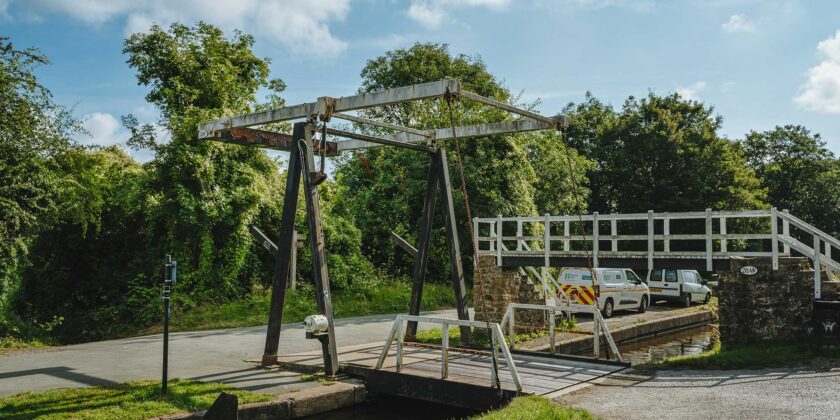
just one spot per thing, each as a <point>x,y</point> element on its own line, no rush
<point>689,277</point>
<point>656,275</point>
<point>670,276</point>
<point>613,277</point>
<point>631,276</point>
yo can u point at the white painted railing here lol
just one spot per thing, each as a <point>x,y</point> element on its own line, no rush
<point>497,339</point>
<point>598,324</point>
<point>550,241</point>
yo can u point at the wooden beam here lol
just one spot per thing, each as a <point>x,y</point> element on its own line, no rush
<point>262,138</point>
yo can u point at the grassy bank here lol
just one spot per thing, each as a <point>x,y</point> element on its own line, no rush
<point>753,356</point>
<point>253,310</point>
<point>535,408</point>
<point>132,400</point>
<point>10,344</point>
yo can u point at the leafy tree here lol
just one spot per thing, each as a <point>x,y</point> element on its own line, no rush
<point>660,153</point>
<point>383,188</point>
<point>799,173</point>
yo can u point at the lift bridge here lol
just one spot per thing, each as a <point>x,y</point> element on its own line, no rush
<point>458,374</point>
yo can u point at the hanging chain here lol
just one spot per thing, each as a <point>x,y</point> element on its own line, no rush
<point>579,208</point>
<point>463,180</point>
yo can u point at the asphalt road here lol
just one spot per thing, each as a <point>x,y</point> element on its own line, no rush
<point>215,355</point>
<point>743,394</point>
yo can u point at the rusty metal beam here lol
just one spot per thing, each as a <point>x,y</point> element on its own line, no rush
<point>376,141</point>
<point>262,138</point>
<point>362,120</point>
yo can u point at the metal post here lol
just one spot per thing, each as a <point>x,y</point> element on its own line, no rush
<point>723,241</point>
<point>422,260</point>
<point>320,276</point>
<point>708,239</point>
<point>595,244</point>
<point>817,268</point>
<point>169,278</point>
<point>774,237</point>
<point>649,241</point>
<point>786,232</point>
<point>284,246</point>
<point>459,287</point>
<point>614,233</point>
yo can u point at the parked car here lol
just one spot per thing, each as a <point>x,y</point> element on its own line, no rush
<point>684,286</point>
<point>614,289</point>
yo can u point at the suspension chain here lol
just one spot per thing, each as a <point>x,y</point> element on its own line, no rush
<point>476,276</point>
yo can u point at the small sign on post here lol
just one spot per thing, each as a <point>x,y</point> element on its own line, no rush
<point>749,270</point>
<point>169,279</point>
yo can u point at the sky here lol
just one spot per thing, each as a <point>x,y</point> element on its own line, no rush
<point>758,63</point>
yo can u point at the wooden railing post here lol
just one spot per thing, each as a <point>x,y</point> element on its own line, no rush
<point>774,234</point>
<point>666,231</point>
<point>786,232</point>
<point>595,244</point>
<point>614,233</point>
<point>499,232</point>
<point>649,244</point>
<point>566,233</point>
<point>475,237</point>
<point>723,241</point>
<point>817,268</point>
<point>518,235</point>
<point>708,239</point>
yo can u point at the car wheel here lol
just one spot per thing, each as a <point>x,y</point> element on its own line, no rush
<point>687,300</point>
<point>644,305</point>
<point>608,309</point>
<point>708,298</point>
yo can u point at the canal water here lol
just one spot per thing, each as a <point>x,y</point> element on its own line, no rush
<point>688,342</point>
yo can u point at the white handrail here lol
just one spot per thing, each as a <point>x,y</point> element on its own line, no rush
<point>397,333</point>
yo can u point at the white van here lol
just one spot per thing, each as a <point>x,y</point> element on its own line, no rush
<point>684,286</point>
<point>615,288</point>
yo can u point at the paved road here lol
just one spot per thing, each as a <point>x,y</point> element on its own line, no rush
<point>753,394</point>
<point>216,355</point>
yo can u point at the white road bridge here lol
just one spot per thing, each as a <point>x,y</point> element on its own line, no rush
<point>693,240</point>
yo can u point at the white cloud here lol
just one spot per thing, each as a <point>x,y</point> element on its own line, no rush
<point>690,92</point>
<point>431,13</point>
<point>738,23</point>
<point>822,90</point>
<point>300,25</point>
<point>102,130</point>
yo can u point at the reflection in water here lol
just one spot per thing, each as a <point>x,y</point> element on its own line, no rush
<point>693,341</point>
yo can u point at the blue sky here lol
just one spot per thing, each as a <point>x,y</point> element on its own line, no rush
<point>759,63</point>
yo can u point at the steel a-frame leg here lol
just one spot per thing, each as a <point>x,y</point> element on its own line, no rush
<point>301,162</point>
<point>438,175</point>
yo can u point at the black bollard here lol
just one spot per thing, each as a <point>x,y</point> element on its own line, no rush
<point>169,279</point>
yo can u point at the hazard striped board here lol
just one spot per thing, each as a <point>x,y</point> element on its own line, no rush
<point>580,294</point>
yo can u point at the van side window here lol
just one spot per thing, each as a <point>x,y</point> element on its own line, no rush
<point>670,276</point>
<point>656,275</point>
<point>631,276</point>
<point>612,277</point>
<point>690,277</point>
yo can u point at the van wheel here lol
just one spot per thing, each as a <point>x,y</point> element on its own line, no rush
<point>644,305</point>
<point>608,309</point>
<point>687,300</point>
<point>708,298</point>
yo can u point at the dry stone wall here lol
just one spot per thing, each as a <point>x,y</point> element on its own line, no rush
<point>767,305</point>
<point>500,287</point>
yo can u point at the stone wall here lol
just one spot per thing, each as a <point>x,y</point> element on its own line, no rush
<point>501,286</point>
<point>767,305</point>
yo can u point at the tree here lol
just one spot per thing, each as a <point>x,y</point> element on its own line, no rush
<point>799,173</point>
<point>661,153</point>
<point>383,188</point>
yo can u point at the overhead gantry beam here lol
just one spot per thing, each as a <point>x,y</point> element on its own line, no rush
<point>264,139</point>
<point>343,104</point>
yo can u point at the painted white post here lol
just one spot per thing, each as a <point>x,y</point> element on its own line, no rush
<point>444,361</point>
<point>649,244</point>
<point>518,235</point>
<point>551,334</point>
<point>475,236</point>
<point>400,335</point>
<point>827,250</point>
<point>817,268</point>
<point>774,237</point>
<point>511,332</point>
<point>546,255</point>
<point>614,233</point>
<point>786,232</point>
<point>493,236</point>
<point>499,232</point>
<point>595,244</point>
<point>666,231</point>
<point>723,241</point>
<point>566,231</point>
<point>708,239</point>
<point>596,335</point>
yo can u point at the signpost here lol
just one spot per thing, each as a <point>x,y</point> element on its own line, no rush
<point>169,279</point>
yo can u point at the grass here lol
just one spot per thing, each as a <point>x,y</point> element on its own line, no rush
<point>131,400</point>
<point>532,407</point>
<point>10,344</point>
<point>253,310</point>
<point>762,355</point>
<point>315,378</point>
